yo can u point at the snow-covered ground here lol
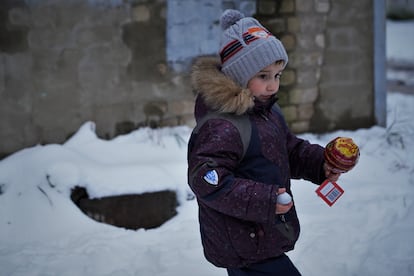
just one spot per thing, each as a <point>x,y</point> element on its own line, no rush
<point>369,231</point>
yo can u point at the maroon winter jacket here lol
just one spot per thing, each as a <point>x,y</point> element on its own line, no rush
<point>236,192</point>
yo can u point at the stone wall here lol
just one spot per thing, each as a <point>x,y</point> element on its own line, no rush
<point>64,62</point>
<point>328,83</point>
<point>346,87</point>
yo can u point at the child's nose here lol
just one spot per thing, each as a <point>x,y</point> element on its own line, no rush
<point>273,85</point>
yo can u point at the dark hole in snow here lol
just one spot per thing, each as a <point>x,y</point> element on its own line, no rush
<point>133,211</point>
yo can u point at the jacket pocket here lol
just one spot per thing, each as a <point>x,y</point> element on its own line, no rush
<point>288,225</point>
<point>245,238</point>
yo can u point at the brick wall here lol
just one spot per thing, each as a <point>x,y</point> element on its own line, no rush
<point>327,84</point>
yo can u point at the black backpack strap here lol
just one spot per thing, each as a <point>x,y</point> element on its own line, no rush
<point>241,122</point>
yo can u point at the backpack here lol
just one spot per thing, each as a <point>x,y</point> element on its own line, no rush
<point>241,122</point>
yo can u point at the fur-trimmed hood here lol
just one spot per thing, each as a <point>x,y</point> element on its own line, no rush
<point>219,92</point>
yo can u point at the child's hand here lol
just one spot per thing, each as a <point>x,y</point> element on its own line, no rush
<point>331,173</point>
<point>282,208</point>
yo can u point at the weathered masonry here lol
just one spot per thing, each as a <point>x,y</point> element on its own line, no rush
<point>124,64</point>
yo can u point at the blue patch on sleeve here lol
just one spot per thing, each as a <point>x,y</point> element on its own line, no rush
<point>211,177</point>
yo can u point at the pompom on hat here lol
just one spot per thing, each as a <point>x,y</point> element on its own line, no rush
<point>342,153</point>
<point>247,47</point>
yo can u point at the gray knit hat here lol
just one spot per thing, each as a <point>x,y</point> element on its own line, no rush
<point>246,47</point>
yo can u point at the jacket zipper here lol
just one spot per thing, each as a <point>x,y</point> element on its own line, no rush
<point>282,216</point>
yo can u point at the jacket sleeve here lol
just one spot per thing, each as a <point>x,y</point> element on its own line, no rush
<point>305,159</point>
<point>213,155</point>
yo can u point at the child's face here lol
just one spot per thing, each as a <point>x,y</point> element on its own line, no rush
<point>265,83</point>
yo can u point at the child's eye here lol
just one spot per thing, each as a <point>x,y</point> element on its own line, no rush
<point>265,76</point>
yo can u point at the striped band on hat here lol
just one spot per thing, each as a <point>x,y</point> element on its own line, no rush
<point>230,50</point>
<point>235,46</point>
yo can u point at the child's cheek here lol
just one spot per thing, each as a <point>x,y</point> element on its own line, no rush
<point>255,87</point>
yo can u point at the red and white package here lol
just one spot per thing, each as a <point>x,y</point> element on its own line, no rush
<point>330,192</point>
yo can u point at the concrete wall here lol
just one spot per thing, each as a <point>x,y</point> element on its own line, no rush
<point>193,28</point>
<point>64,62</point>
<point>407,5</point>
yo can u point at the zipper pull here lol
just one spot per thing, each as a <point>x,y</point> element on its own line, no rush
<point>264,116</point>
<point>283,219</point>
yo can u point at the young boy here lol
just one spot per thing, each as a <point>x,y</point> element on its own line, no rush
<point>242,226</point>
